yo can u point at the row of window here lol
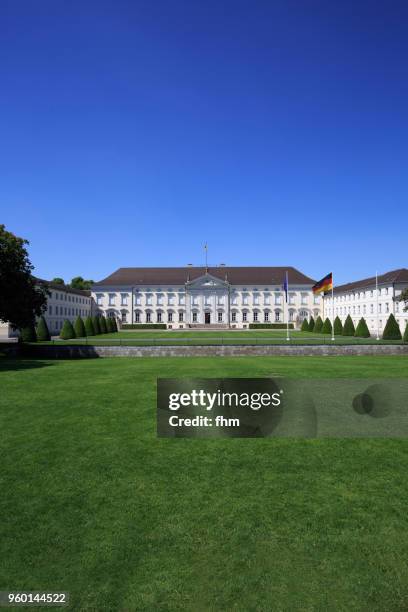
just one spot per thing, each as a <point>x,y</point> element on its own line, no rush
<point>360,295</point>
<point>363,309</point>
<point>66,297</point>
<point>64,310</point>
<point>256,317</point>
<point>196,299</point>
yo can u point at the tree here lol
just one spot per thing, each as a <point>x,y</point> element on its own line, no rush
<point>305,326</point>
<point>311,324</point>
<point>27,334</point>
<point>405,338</point>
<point>67,332</point>
<point>403,297</point>
<point>102,325</point>
<point>89,328</point>
<point>22,298</point>
<point>362,330</point>
<point>80,283</point>
<point>96,326</point>
<point>327,326</point>
<point>348,327</point>
<point>115,325</point>
<point>58,281</point>
<point>391,329</point>
<point>338,327</point>
<point>318,325</point>
<point>43,333</point>
<point>79,328</point>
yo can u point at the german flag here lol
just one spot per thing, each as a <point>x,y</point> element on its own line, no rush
<point>326,284</point>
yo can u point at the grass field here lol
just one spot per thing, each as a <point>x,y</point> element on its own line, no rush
<point>94,504</point>
<point>216,337</point>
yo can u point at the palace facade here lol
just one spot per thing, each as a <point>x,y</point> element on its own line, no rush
<point>371,298</point>
<point>219,296</point>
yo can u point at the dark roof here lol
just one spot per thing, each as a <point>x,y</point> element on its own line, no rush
<point>66,288</point>
<point>395,276</point>
<point>179,276</point>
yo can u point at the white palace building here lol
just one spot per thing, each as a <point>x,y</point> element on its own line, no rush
<point>372,298</point>
<point>206,296</point>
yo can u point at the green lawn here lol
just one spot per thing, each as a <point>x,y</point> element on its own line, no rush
<point>93,503</point>
<point>217,337</point>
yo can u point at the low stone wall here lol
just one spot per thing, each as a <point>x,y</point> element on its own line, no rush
<point>81,351</point>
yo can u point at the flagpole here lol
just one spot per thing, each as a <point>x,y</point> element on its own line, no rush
<point>376,295</point>
<point>332,310</point>
<point>287,308</point>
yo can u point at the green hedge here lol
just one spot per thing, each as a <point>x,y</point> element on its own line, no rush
<point>327,326</point>
<point>318,325</point>
<point>362,330</point>
<point>28,334</point>
<point>338,327</point>
<point>43,333</point>
<point>348,327</point>
<point>305,326</point>
<point>405,338</point>
<point>391,329</point>
<point>311,324</point>
<point>144,326</point>
<point>67,332</point>
<point>269,326</point>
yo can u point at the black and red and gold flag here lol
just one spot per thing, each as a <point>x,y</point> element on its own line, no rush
<point>323,285</point>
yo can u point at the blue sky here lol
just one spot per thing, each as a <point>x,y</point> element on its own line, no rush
<point>133,132</point>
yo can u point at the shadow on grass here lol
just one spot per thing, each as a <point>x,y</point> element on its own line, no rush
<point>17,363</point>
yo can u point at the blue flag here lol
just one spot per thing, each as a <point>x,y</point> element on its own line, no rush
<point>286,287</point>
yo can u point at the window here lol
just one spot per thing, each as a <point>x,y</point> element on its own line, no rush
<point>244,316</point>
<point>148,317</point>
<point>371,308</point>
<point>292,298</point>
<point>99,299</point>
<point>266,317</point>
<point>181,317</point>
<point>171,299</point>
<point>277,316</point>
<point>304,298</point>
<point>233,316</point>
<point>245,298</point>
<point>220,317</point>
<point>124,299</point>
<point>220,299</point>
<point>159,317</point>
<point>182,299</point>
<point>194,317</point>
<point>396,306</point>
<point>387,306</point>
<point>234,299</point>
<point>50,310</point>
<point>149,299</point>
<point>277,299</point>
<point>137,317</point>
<point>256,298</point>
<point>170,317</point>
<point>112,299</point>
<point>267,298</point>
<point>255,317</point>
<point>159,299</point>
<point>379,307</point>
<point>291,315</point>
<point>124,317</point>
<point>316,299</point>
<point>194,300</point>
<point>138,299</point>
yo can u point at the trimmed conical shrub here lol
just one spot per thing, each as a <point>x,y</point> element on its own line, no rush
<point>362,330</point>
<point>327,326</point>
<point>338,327</point>
<point>43,333</point>
<point>96,326</point>
<point>318,325</point>
<point>102,325</point>
<point>79,328</point>
<point>311,324</point>
<point>111,325</point>
<point>305,326</point>
<point>89,328</point>
<point>27,334</point>
<point>405,338</point>
<point>67,332</point>
<point>115,325</point>
<point>391,329</point>
<point>348,327</point>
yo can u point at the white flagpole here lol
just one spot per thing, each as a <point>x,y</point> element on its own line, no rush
<point>376,294</point>
<point>287,307</point>
<point>332,309</point>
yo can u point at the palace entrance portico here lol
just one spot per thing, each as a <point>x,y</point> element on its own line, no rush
<point>208,301</point>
